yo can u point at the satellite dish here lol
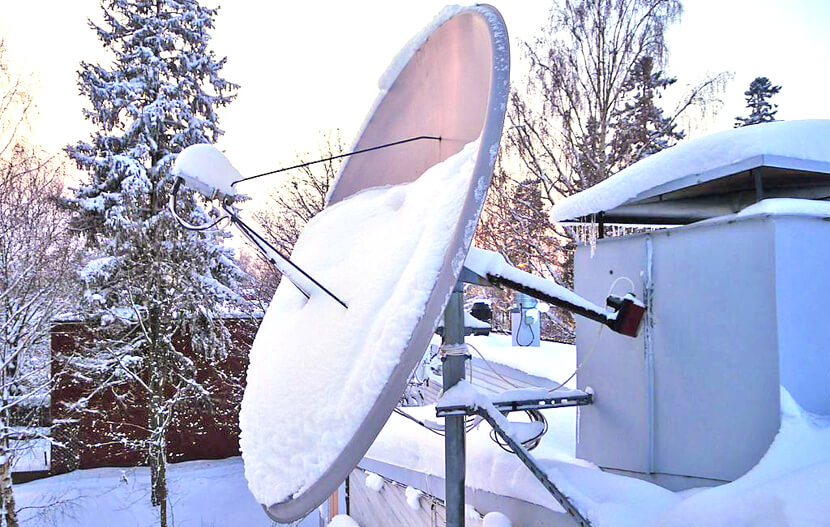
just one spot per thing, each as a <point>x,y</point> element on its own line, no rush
<point>391,242</point>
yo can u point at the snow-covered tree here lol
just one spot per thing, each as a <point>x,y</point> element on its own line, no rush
<point>15,103</point>
<point>514,224</point>
<point>589,106</point>
<point>151,281</point>
<point>641,126</point>
<point>584,67</point>
<point>760,91</point>
<point>36,255</point>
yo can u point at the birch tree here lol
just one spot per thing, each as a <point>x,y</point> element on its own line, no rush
<point>564,124</point>
<point>36,255</point>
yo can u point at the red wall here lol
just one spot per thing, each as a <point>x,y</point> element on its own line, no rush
<point>205,430</point>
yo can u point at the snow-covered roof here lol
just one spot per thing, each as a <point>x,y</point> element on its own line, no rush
<point>713,175</point>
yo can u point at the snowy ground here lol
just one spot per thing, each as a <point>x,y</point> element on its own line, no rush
<point>788,487</point>
<point>203,494</point>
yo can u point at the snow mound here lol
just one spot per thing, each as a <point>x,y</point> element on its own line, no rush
<point>794,144</point>
<point>206,169</point>
<point>316,368</point>
<point>374,482</point>
<point>788,207</point>
<point>413,498</point>
<point>787,487</point>
<point>343,520</point>
<point>496,519</point>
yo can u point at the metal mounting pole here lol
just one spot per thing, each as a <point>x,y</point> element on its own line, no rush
<point>454,366</point>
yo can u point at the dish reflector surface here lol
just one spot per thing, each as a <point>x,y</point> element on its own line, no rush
<point>391,242</point>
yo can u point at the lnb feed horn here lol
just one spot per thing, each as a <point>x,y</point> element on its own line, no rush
<point>205,169</point>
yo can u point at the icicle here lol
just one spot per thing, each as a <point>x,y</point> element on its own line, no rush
<point>592,234</point>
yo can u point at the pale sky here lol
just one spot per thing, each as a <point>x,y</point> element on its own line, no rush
<point>312,66</point>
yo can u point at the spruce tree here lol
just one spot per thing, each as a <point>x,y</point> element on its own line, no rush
<point>151,280</point>
<point>641,127</point>
<point>757,101</point>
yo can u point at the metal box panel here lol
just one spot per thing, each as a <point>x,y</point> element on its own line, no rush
<point>802,259</point>
<point>715,349</point>
<point>696,394</point>
<point>613,432</point>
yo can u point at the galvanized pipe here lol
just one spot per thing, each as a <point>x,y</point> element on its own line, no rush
<point>454,359</point>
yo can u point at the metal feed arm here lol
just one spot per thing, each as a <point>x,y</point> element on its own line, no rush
<point>489,268</point>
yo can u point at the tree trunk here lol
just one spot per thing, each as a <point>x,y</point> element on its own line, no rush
<point>8,515</point>
<point>157,454</point>
<point>157,449</point>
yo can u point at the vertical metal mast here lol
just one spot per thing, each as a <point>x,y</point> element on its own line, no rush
<point>454,366</point>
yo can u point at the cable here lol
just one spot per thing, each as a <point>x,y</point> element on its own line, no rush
<point>500,376</point>
<point>531,443</point>
<point>581,364</point>
<point>519,332</point>
<point>469,422</point>
<point>614,283</point>
<point>596,340</point>
<point>362,151</point>
<point>533,415</point>
<point>171,204</point>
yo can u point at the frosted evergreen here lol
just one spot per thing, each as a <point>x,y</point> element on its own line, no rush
<point>642,128</point>
<point>150,279</point>
<point>757,102</point>
<point>159,95</point>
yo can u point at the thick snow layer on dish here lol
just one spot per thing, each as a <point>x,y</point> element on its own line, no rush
<point>788,207</point>
<point>796,140</point>
<point>316,368</point>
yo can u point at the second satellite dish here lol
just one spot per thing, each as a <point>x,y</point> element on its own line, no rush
<point>390,243</point>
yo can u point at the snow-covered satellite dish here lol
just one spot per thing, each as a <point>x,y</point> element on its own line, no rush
<point>391,242</point>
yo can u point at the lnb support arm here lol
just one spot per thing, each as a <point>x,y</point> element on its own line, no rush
<point>489,268</point>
